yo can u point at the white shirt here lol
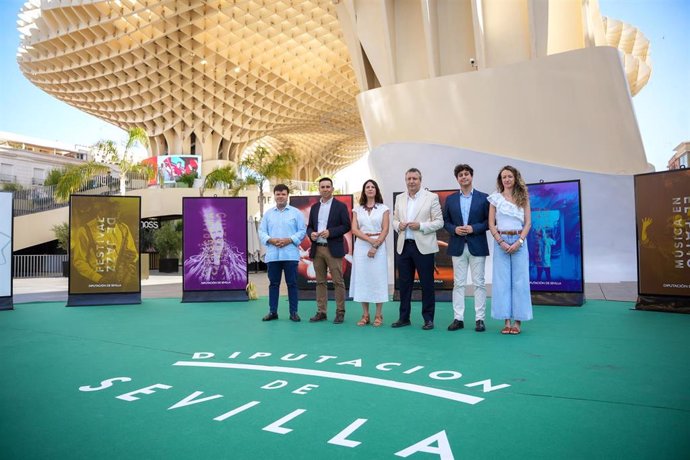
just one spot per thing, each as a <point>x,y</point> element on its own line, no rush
<point>324,211</point>
<point>411,203</point>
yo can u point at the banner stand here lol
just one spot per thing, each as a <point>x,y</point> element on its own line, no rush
<point>93,300</point>
<point>214,296</point>
<point>564,299</point>
<point>6,303</point>
<point>669,304</point>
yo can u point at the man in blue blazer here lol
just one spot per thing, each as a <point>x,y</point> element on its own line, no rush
<point>466,218</point>
<point>329,220</point>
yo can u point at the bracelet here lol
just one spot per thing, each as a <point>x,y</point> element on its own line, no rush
<point>521,240</point>
<point>500,242</point>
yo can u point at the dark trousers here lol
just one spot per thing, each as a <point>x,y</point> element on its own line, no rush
<point>275,271</point>
<point>409,261</point>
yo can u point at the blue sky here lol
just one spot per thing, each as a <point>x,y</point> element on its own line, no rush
<point>662,107</point>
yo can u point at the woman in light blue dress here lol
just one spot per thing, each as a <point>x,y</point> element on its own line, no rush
<point>509,224</point>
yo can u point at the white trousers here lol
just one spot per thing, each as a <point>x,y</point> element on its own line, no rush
<point>476,264</point>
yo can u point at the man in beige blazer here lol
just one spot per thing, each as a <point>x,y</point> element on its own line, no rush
<point>416,217</point>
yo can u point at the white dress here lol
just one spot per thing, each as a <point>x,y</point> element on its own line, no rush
<point>369,281</point>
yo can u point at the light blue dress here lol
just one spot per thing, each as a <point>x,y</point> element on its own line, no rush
<point>510,291</point>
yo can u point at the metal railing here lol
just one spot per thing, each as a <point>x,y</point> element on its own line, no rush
<point>39,266</point>
<point>39,199</point>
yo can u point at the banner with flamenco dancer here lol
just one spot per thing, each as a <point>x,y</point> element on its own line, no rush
<point>214,238</point>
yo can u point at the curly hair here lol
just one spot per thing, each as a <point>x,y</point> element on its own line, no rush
<point>520,194</point>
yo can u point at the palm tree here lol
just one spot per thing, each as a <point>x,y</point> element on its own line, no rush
<point>225,175</point>
<point>261,165</point>
<point>109,153</point>
<point>75,178</point>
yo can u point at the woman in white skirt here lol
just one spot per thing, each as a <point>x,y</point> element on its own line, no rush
<point>370,224</point>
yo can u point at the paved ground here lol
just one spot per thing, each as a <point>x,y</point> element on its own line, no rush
<point>166,285</point>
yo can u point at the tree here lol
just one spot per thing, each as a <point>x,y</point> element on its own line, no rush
<point>225,175</point>
<point>260,166</point>
<point>75,178</point>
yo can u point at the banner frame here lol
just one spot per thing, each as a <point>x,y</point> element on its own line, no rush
<point>564,298</point>
<point>214,295</point>
<point>7,302</point>
<point>104,298</point>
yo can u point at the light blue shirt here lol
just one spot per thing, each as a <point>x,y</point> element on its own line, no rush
<point>288,223</point>
<point>465,205</point>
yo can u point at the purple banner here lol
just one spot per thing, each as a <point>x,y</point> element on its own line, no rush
<point>215,244</point>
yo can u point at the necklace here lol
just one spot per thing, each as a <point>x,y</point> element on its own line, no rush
<point>369,208</point>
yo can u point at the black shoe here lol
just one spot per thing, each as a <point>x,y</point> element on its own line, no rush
<point>480,326</point>
<point>270,317</point>
<point>339,318</point>
<point>318,317</point>
<point>401,323</point>
<point>428,325</point>
<point>295,317</point>
<point>456,324</point>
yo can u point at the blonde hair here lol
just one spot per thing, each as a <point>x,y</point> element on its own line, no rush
<point>520,194</point>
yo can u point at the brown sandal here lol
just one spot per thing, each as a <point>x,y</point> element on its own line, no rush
<point>364,321</point>
<point>515,330</point>
<point>378,320</point>
<point>506,330</point>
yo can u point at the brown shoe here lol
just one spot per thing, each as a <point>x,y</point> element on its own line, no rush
<point>339,318</point>
<point>318,317</point>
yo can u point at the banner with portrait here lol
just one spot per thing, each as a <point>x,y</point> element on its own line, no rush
<point>214,236</point>
<point>104,250</point>
<point>6,236</point>
<point>306,276</point>
<point>555,243</point>
<point>662,214</point>
<point>443,268</point>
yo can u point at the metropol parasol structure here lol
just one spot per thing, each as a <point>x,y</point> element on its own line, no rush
<point>333,79</point>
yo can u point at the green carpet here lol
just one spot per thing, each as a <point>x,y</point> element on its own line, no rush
<point>600,381</point>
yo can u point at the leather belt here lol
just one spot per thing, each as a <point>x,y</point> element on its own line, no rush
<point>510,232</point>
<point>322,244</point>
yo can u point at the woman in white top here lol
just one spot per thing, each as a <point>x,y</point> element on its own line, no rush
<point>509,223</point>
<point>370,223</point>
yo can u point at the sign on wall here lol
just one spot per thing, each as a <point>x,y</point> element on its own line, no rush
<point>104,245</point>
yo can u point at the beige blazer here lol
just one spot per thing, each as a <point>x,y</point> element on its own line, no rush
<point>427,212</point>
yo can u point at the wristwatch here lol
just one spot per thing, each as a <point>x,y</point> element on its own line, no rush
<point>521,240</point>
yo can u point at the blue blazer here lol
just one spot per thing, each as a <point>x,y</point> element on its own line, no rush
<point>478,218</point>
<point>338,224</point>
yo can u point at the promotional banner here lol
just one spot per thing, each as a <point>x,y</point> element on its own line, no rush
<point>214,248</point>
<point>662,210</point>
<point>306,276</point>
<point>6,223</point>
<point>555,239</point>
<point>169,168</point>
<point>104,249</point>
<point>443,271</point>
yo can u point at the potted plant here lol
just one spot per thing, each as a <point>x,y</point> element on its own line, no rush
<point>187,179</point>
<point>168,242</point>
<point>61,232</point>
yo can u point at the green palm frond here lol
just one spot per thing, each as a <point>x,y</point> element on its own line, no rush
<point>76,178</point>
<point>136,136</point>
<point>144,169</point>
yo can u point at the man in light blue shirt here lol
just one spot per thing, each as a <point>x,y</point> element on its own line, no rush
<point>281,231</point>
